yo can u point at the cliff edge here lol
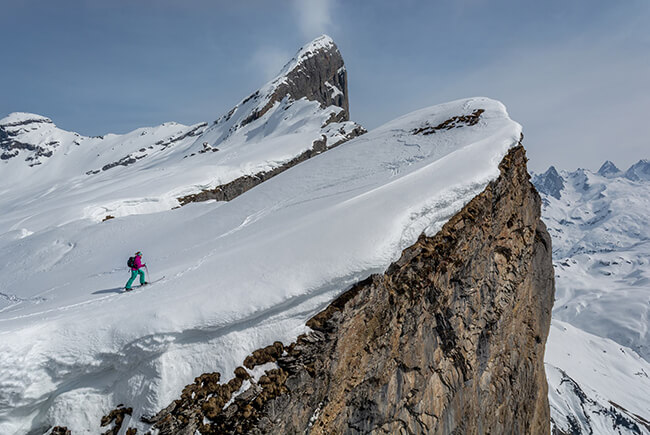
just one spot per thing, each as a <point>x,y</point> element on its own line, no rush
<point>450,339</point>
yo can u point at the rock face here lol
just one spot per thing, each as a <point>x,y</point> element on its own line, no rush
<point>449,340</point>
<point>640,171</point>
<point>316,73</point>
<point>609,169</point>
<point>231,190</point>
<point>550,182</point>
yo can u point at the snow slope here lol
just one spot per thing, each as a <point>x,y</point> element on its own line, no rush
<point>600,229</point>
<point>238,275</point>
<point>595,384</point>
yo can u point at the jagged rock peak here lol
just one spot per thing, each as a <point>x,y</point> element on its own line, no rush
<point>640,171</point>
<point>316,72</point>
<point>22,118</point>
<point>550,182</point>
<point>322,43</point>
<point>608,169</point>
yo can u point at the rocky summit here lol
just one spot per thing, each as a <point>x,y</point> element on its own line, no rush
<point>449,340</point>
<point>316,73</point>
<point>550,183</point>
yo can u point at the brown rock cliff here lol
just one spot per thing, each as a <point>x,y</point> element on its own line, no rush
<point>450,340</point>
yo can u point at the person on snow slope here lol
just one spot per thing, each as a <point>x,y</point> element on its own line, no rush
<point>136,266</point>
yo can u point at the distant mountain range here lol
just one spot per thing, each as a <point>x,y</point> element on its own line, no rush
<point>599,347</point>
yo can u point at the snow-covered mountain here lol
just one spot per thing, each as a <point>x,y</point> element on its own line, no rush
<point>599,347</point>
<point>295,114</point>
<point>230,276</point>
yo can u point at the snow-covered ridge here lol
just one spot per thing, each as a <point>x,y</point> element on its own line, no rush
<point>20,118</point>
<point>238,275</point>
<point>552,183</point>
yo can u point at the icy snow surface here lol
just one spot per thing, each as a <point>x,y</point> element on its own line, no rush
<point>238,275</point>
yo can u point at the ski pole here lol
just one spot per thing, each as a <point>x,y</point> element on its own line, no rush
<point>147,269</point>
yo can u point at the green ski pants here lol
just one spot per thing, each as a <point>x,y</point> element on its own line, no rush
<point>134,274</point>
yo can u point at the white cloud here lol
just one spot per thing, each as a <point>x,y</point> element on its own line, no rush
<point>314,16</point>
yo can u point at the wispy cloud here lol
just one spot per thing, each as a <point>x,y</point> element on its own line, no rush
<point>314,16</point>
<point>269,61</point>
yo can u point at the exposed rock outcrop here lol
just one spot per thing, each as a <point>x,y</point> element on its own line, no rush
<point>316,73</point>
<point>449,340</point>
<point>15,124</point>
<point>116,417</point>
<point>609,170</point>
<point>640,171</point>
<point>233,189</point>
<point>550,182</point>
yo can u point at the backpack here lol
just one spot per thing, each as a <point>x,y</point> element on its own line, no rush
<point>131,262</point>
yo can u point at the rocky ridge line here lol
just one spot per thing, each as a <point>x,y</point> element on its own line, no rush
<point>233,189</point>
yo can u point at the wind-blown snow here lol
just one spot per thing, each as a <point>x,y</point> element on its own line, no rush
<point>238,275</point>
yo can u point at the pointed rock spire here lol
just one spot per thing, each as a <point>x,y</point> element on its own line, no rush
<point>316,72</point>
<point>609,170</point>
<point>550,183</point>
<point>640,171</point>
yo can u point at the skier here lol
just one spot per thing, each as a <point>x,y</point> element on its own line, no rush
<point>136,265</point>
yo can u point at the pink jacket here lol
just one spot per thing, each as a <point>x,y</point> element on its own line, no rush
<point>138,262</point>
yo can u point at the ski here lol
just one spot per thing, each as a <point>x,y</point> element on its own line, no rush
<point>145,285</point>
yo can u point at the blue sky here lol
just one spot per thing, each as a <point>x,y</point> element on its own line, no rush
<point>575,74</point>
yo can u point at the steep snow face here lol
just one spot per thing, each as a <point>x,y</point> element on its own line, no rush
<point>233,276</point>
<point>601,246</point>
<point>595,384</point>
